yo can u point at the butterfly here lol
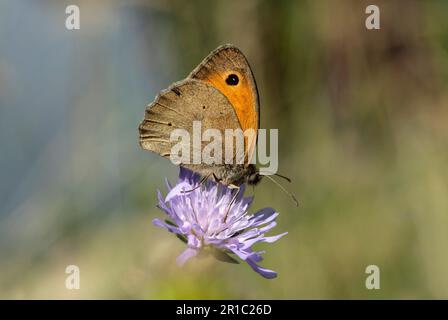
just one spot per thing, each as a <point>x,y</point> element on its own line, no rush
<point>221,92</point>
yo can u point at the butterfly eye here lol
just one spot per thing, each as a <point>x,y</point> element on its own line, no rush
<point>232,79</point>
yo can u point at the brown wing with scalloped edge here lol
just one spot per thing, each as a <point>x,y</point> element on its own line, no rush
<point>177,108</point>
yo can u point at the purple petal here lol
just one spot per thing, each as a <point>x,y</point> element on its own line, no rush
<point>163,224</point>
<point>256,256</point>
<point>273,238</point>
<point>183,173</point>
<point>162,205</point>
<point>251,242</point>
<point>240,193</point>
<point>243,255</point>
<point>193,242</point>
<point>249,234</point>
<point>186,255</point>
<point>268,227</point>
<point>189,176</point>
<point>178,190</point>
<point>246,202</point>
<point>266,273</point>
<point>264,216</point>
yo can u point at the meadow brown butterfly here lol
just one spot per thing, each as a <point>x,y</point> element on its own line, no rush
<point>221,93</point>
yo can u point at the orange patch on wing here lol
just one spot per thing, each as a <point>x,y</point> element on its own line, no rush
<point>243,101</point>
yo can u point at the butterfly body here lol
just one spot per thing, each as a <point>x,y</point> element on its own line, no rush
<point>234,175</point>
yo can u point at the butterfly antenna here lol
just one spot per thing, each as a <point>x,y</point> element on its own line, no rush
<point>201,182</point>
<point>278,175</point>
<point>284,190</point>
<point>283,177</point>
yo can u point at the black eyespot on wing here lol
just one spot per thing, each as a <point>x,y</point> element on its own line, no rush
<point>232,79</point>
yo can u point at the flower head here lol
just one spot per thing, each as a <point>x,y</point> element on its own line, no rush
<point>213,215</point>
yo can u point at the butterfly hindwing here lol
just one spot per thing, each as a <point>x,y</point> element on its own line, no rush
<point>178,107</point>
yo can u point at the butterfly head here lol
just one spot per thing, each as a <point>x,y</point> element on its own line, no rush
<point>253,176</point>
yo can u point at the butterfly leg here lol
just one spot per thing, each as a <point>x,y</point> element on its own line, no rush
<point>216,178</point>
<point>237,188</point>
<point>204,178</point>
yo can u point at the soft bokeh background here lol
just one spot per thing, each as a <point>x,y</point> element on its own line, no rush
<point>363,123</point>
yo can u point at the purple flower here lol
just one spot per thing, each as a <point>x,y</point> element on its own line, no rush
<point>206,217</point>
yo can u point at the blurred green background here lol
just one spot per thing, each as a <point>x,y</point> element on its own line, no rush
<point>363,129</point>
